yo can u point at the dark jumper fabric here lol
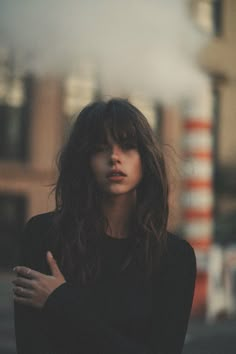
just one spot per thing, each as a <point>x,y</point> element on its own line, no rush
<point>122,313</point>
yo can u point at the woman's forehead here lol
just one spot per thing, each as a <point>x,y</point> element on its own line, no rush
<point>115,133</point>
<point>109,139</point>
<point>120,137</point>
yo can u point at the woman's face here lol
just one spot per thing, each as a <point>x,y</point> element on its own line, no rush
<point>117,169</point>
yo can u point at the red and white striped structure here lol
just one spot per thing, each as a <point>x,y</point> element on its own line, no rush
<point>198,197</point>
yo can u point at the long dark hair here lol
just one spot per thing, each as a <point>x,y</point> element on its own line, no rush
<point>79,221</point>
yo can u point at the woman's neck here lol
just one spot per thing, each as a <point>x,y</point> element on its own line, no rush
<point>118,211</point>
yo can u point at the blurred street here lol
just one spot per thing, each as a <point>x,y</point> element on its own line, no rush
<point>215,338</point>
<point>7,340</point>
<point>202,338</point>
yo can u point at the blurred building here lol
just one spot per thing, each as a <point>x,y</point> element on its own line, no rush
<point>218,19</point>
<point>35,114</point>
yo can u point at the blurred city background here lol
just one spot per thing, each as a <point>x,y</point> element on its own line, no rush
<point>175,60</point>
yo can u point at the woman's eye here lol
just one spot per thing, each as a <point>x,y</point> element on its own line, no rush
<point>128,146</point>
<point>101,148</point>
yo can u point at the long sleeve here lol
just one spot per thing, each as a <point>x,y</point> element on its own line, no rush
<point>170,314</point>
<point>71,310</point>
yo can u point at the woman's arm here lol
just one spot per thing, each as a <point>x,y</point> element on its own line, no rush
<point>72,306</point>
<point>68,310</point>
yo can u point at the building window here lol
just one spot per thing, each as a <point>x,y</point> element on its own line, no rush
<point>224,183</point>
<point>217,17</point>
<point>208,15</point>
<point>12,218</point>
<point>160,116</point>
<point>79,90</point>
<point>15,111</point>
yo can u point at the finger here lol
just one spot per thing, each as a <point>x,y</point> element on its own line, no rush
<point>24,282</point>
<point>53,265</point>
<point>27,272</point>
<point>22,292</point>
<point>22,300</point>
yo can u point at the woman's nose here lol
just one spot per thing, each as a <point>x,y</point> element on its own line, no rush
<point>115,153</point>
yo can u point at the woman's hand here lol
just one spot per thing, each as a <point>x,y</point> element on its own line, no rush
<point>33,288</point>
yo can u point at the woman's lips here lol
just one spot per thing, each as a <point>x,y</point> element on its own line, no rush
<point>116,173</point>
<point>116,176</point>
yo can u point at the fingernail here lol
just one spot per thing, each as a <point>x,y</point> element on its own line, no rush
<point>50,254</point>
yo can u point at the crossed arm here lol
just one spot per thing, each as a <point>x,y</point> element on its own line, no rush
<point>67,308</point>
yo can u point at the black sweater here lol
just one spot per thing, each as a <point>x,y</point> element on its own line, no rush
<point>122,313</point>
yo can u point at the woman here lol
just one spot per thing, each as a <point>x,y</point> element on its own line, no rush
<point>101,274</point>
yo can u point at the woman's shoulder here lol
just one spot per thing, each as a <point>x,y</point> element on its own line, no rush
<point>178,262</point>
<point>35,238</point>
<point>39,228</point>
<point>41,221</point>
<point>179,250</point>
